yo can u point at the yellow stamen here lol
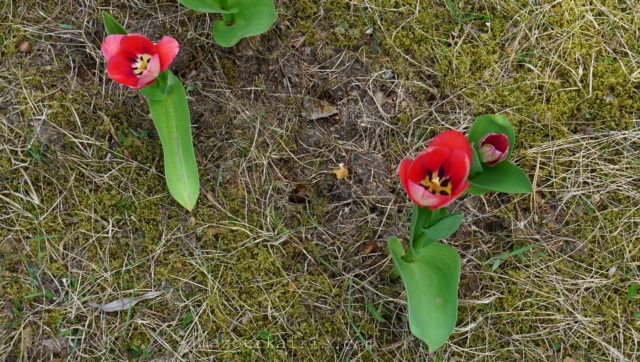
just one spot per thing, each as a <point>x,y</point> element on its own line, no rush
<point>141,64</point>
<point>436,183</point>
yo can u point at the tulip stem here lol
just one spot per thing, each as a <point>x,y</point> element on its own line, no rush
<point>227,18</point>
<point>395,272</point>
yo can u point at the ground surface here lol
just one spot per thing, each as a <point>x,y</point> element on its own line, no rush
<point>280,260</point>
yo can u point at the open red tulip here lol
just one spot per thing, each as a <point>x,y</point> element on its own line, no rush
<point>438,175</point>
<point>493,148</point>
<point>133,60</point>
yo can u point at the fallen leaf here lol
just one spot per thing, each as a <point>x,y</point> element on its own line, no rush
<point>328,109</point>
<point>340,172</point>
<point>125,303</point>
<point>297,42</point>
<point>370,247</point>
<point>568,359</point>
<point>316,109</point>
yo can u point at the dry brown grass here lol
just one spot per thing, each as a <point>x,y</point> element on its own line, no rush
<point>276,242</point>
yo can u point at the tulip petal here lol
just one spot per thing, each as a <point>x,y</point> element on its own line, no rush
<point>119,69</point>
<point>138,44</point>
<point>453,140</point>
<point>404,172</point>
<point>150,74</point>
<point>431,159</point>
<point>424,198</point>
<point>458,167</point>
<point>458,191</point>
<point>168,48</point>
<point>111,45</point>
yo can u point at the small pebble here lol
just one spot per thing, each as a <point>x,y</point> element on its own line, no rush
<point>24,46</point>
<point>380,98</point>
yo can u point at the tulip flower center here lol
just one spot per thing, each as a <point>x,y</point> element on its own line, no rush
<point>436,183</point>
<point>140,64</point>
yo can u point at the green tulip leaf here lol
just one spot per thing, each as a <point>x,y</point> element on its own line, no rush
<point>171,118</point>
<point>492,123</point>
<point>253,17</point>
<point>445,227</point>
<point>431,283</point>
<point>477,191</point>
<point>503,177</point>
<point>111,25</point>
<point>207,6</point>
<point>476,166</point>
<point>158,90</point>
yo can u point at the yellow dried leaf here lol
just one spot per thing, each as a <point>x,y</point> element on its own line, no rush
<point>341,172</point>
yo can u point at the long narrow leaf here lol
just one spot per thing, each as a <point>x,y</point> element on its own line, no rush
<point>171,118</point>
<point>111,25</point>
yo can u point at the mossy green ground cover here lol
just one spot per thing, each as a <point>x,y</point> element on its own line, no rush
<point>279,260</point>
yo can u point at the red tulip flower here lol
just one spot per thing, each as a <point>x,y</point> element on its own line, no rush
<point>438,175</point>
<point>493,148</point>
<point>133,60</point>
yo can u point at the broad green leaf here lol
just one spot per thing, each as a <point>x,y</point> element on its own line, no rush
<point>171,118</point>
<point>492,123</point>
<point>477,191</point>
<point>111,25</point>
<point>253,17</point>
<point>445,227</point>
<point>440,229</point>
<point>207,6</point>
<point>436,215</point>
<point>158,90</point>
<point>503,177</point>
<point>476,166</point>
<point>431,284</point>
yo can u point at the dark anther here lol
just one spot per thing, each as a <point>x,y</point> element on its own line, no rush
<point>441,172</point>
<point>444,193</point>
<point>445,182</point>
<point>141,58</point>
<point>133,60</point>
<point>430,174</point>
